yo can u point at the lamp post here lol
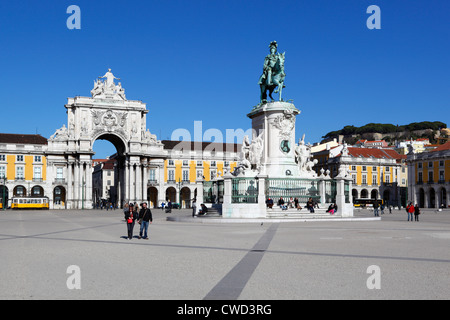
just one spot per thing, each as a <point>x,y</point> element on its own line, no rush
<point>83,183</point>
<point>179,193</point>
<point>3,184</point>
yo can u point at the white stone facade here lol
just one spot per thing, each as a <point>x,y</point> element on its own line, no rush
<point>105,115</point>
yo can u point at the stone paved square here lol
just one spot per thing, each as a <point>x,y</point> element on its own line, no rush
<point>193,260</point>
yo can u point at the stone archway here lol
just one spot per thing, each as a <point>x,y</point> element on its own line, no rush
<point>106,115</point>
<point>171,194</point>
<point>421,198</point>
<point>37,191</point>
<point>432,198</point>
<point>152,197</point>
<point>59,197</point>
<point>185,197</point>
<point>4,196</point>
<point>442,198</point>
<point>19,191</point>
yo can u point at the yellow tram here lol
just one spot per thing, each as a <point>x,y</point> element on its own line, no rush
<point>29,203</point>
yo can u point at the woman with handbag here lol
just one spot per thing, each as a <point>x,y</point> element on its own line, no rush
<point>130,217</point>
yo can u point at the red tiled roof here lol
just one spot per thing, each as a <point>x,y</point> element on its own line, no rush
<point>445,146</point>
<point>373,152</point>
<point>22,138</point>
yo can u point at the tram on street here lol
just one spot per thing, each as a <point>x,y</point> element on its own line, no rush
<point>363,203</point>
<point>29,203</point>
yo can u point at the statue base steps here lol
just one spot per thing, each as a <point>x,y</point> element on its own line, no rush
<point>292,213</point>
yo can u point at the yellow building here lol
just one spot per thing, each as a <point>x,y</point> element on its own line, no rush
<point>23,166</point>
<point>429,177</point>
<point>376,173</point>
<point>189,167</point>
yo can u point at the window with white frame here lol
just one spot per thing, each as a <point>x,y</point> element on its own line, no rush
<point>19,158</point>
<point>185,175</point>
<point>171,175</point>
<point>374,180</point>
<point>20,173</point>
<point>2,157</point>
<point>37,173</point>
<point>37,159</point>
<point>364,179</point>
<point>59,173</point>
<point>2,172</point>
<point>152,174</point>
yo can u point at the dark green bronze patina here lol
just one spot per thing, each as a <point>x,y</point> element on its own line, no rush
<point>272,79</point>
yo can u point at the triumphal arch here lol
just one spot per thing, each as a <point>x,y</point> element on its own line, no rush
<point>106,115</point>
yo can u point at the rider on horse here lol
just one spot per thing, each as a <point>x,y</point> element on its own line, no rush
<point>273,72</point>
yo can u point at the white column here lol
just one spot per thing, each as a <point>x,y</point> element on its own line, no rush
<point>69,190</point>
<point>132,182</point>
<point>139,182</point>
<point>126,180</point>
<point>88,196</point>
<point>161,191</point>
<point>144,181</point>
<point>76,185</point>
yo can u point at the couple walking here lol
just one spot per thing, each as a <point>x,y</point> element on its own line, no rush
<point>144,217</point>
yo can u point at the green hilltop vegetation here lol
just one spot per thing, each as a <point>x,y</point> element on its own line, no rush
<point>398,130</point>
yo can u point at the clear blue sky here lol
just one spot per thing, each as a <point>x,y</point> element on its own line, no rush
<point>201,60</point>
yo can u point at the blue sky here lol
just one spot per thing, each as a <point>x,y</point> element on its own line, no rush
<point>196,60</point>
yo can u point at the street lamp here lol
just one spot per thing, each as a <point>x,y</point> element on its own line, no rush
<point>179,192</point>
<point>3,184</point>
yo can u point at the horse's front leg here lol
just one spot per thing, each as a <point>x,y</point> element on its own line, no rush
<point>263,95</point>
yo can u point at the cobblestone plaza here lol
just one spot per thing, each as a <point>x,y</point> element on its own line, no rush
<point>193,260</point>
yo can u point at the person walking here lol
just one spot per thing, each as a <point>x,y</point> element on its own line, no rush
<point>375,208</point>
<point>145,217</point>
<point>130,218</point>
<point>194,208</point>
<point>416,212</point>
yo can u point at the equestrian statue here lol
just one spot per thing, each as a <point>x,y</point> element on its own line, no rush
<point>272,79</point>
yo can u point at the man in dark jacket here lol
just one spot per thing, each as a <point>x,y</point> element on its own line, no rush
<point>145,216</point>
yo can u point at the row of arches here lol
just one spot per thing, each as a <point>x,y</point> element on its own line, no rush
<point>185,196</point>
<point>59,193</point>
<point>432,198</point>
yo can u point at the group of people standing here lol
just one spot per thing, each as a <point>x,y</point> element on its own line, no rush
<point>410,209</point>
<point>143,216</point>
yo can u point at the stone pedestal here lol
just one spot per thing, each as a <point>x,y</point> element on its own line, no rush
<point>275,121</point>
